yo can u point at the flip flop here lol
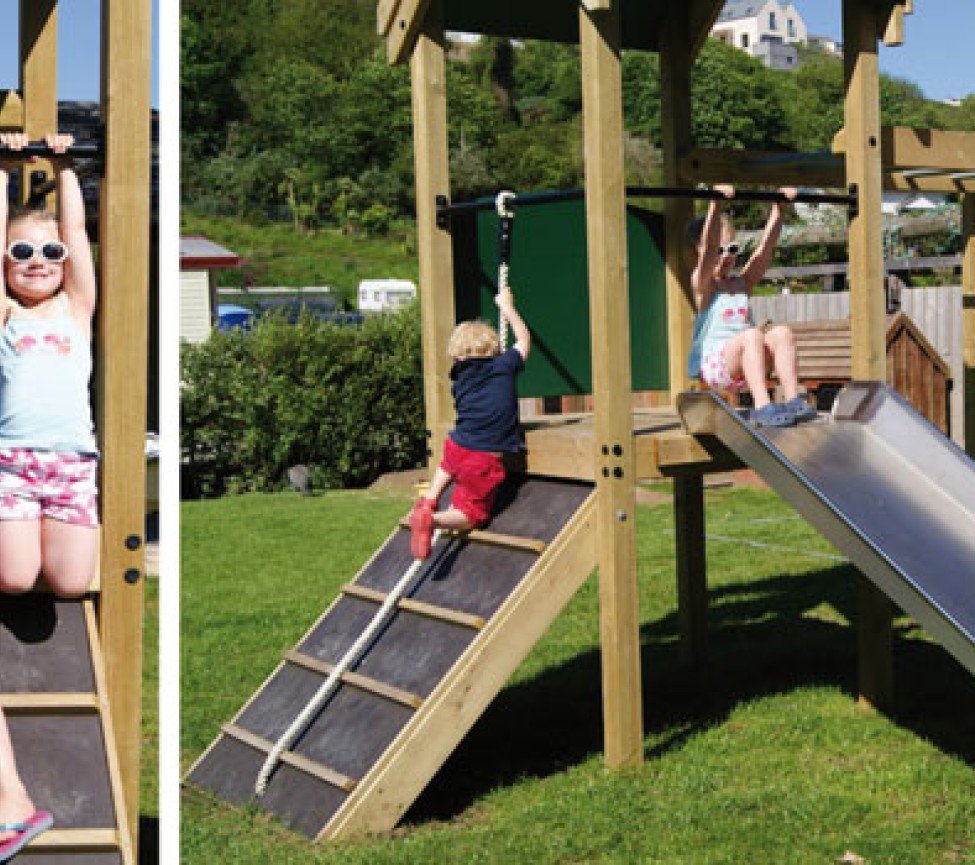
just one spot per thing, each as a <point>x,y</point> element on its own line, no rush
<point>39,822</point>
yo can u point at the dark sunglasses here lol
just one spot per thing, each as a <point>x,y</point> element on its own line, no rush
<point>22,250</point>
<point>730,249</point>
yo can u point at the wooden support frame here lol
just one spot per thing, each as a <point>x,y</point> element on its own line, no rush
<point>124,226</point>
<point>428,70</point>
<point>602,105</point>
<point>867,303</point>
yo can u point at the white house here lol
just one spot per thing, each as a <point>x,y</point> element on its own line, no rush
<point>768,30</point>
<point>198,259</point>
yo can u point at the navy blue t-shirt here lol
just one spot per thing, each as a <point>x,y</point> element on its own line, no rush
<point>486,402</point>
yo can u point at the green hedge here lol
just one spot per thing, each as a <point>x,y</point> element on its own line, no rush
<point>346,402</point>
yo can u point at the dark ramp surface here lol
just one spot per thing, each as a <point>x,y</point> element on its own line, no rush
<point>49,688</point>
<point>458,608</point>
<point>885,486</point>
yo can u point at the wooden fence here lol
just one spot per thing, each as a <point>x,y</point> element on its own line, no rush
<point>935,311</point>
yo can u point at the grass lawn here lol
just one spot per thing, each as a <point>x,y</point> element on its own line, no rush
<point>763,757</point>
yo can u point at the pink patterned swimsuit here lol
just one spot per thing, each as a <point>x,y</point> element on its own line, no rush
<point>48,453</point>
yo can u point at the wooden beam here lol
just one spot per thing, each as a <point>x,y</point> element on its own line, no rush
<point>386,15</point>
<point>700,17</point>
<point>11,110</point>
<point>904,148</point>
<point>692,584</point>
<point>867,303</point>
<point>428,70</point>
<point>39,66</point>
<point>675,111</point>
<point>890,24</point>
<point>406,25</point>
<point>122,361</point>
<point>602,109</point>
<point>968,316</point>
<point>766,168</point>
<point>38,76</point>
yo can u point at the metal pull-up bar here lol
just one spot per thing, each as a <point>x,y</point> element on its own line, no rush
<point>38,148</point>
<point>445,209</point>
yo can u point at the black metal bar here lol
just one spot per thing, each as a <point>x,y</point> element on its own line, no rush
<point>445,209</point>
<point>44,186</point>
<point>37,148</point>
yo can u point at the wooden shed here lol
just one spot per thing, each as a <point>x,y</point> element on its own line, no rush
<point>914,366</point>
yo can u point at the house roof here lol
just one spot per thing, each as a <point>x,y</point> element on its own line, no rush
<point>197,252</point>
<point>740,9</point>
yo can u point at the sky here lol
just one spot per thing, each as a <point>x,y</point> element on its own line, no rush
<point>78,44</point>
<point>937,54</point>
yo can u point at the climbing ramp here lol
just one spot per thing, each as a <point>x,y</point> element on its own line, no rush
<point>52,689</point>
<point>478,605</point>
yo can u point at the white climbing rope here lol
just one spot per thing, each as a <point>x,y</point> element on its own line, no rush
<point>355,652</point>
<point>502,205</point>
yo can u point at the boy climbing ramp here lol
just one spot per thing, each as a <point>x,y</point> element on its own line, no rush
<point>486,404</point>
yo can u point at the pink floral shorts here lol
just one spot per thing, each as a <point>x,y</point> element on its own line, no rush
<point>715,374</point>
<point>58,486</point>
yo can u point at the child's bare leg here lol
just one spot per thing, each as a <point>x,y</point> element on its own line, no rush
<point>451,519</point>
<point>745,356</point>
<point>70,556</point>
<point>439,483</point>
<point>20,555</point>
<point>782,346</point>
<point>15,804</point>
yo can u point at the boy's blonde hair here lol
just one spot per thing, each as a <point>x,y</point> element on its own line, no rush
<point>473,339</point>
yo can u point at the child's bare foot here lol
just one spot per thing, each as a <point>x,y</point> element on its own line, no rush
<point>15,807</point>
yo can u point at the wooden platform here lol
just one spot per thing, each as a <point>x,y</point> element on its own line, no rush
<point>52,690</point>
<point>562,446</point>
<point>481,603</point>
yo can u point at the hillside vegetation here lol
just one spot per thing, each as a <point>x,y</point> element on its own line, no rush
<point>290,113</point>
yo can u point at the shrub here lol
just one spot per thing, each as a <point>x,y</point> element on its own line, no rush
<point>346,402</point>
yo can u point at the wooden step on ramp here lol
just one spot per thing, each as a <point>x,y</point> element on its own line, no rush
<point>52,689</point>
<point>482,600</point>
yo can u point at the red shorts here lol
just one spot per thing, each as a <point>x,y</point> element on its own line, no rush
<point>477,476</point>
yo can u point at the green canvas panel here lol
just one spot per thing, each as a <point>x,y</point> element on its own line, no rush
<point>548,274</point>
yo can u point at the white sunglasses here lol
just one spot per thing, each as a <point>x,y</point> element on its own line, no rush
<point>23,251</point>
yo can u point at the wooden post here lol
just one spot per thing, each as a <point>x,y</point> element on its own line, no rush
<point>121,369</point>
<point>599,39</point>
<point>692,587</point>
<point>675,110</point>
<point>39,77</point>
<point>435,252</point>
<point>968,315</point>
<point>867,302</point>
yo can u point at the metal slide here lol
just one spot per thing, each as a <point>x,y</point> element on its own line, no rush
<point>882,484</point>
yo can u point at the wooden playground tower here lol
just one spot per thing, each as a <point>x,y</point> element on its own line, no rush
<point>113,611</point>
<point>610,454</point>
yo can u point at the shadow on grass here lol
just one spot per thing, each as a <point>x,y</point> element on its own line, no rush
<point>766,637</point>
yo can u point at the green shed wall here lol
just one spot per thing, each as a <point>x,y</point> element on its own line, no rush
<point>548,274</point>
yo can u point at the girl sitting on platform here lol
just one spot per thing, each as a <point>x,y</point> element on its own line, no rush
<point>728,351</point>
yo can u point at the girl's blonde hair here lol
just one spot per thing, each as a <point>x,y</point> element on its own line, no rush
<point>473,339</point>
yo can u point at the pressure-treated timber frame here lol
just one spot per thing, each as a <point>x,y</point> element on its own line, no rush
<point>121,350</point>
<point>864,155</point>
